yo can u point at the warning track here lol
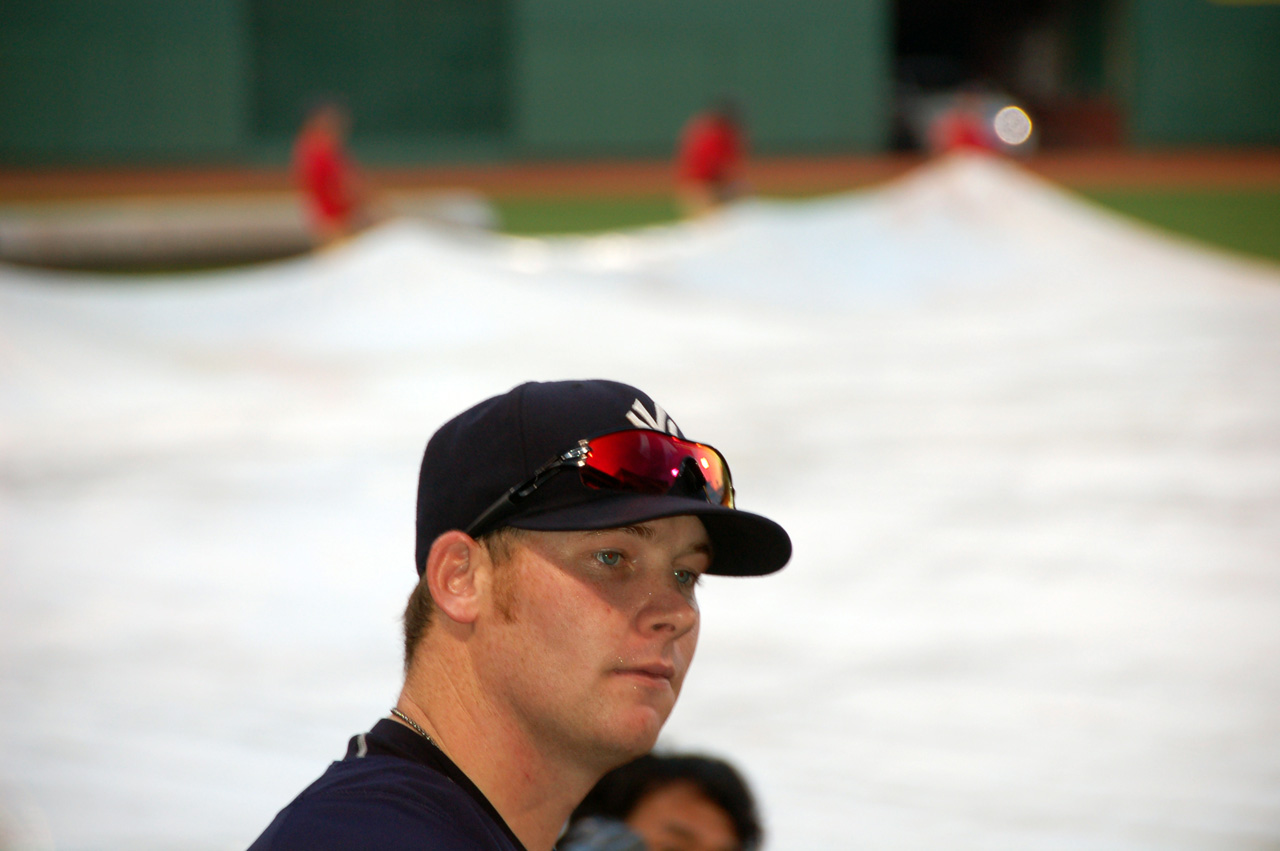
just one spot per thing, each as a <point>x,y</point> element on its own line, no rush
<point>601,178</point>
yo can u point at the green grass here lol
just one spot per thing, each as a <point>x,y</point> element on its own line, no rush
<point>583,215</point>
<point>1246,221</point>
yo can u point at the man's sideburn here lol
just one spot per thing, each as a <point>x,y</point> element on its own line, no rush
<point>501,547</point>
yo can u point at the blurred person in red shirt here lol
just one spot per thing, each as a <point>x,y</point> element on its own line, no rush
<point>711,157</point>
<point>961,127</point>
<point>332,187</point>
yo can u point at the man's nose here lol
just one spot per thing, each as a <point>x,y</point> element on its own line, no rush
<point>667,609</point>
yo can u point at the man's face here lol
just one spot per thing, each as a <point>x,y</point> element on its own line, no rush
<point>591,634</point>
<point>678,817</point>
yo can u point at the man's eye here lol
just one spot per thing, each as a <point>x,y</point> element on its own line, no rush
<point>609,558</point>
<point>687,578</point>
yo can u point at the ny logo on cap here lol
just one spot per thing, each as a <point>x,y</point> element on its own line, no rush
<point>657,421</point>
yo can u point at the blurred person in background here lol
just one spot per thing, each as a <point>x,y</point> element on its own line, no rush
<point>711,158</point>
<point>333,190</point>
<point>562,529</point>
<point>671,802</point>
<point>961,127</point>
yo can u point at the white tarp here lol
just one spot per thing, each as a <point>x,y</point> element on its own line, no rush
<point>1029,455</point>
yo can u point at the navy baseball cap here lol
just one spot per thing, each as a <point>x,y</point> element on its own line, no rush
<point>486,450</point>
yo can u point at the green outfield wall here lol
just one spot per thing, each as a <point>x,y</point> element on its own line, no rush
<point>616,76</point>
<point>122,82</point>
<point>1204,73</point>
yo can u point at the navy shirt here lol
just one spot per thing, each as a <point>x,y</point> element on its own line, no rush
<point>394,791</point>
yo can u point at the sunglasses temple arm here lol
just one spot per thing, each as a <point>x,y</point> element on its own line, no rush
<point>492,515</point>
<point>506,504</point>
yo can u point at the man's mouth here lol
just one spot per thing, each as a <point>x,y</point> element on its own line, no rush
<point>658,672</point>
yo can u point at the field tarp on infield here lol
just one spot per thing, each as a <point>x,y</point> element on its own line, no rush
<point>1029,455</point>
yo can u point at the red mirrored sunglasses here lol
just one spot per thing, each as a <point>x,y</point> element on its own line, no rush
<point>637,461</point>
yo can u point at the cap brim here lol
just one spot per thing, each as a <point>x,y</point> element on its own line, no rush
<point>743,544</point>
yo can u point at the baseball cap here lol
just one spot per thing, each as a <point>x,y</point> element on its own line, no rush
<point>477,456</point>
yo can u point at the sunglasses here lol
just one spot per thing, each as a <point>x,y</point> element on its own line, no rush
<point>636,461</point>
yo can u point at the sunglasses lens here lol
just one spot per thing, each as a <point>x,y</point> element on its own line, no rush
<point>655,463</point>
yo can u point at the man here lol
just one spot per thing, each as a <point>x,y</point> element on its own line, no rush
<point>710,158</point>
<point>331,185</point>
<point>673,802</point>
<point>562,528</point>
<point>961,127</point>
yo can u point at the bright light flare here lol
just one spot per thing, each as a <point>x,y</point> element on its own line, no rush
<point>1012,125</point>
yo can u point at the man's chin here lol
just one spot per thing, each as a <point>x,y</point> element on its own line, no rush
<point>636,737</point>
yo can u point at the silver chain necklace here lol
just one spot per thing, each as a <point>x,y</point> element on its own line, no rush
<point>414,724</point>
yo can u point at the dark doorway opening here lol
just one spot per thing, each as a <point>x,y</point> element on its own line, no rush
<point>1055,58</point>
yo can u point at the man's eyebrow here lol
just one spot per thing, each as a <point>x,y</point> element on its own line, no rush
<point>677,829</point>
<point>647,533</point>
<point>703,548</point>
<point>680,831</point>
<point>638,530</point>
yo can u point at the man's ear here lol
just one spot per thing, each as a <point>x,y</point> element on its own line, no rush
<point>451,574</point>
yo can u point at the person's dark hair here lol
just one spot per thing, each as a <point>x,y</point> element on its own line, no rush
<point>621,790</point>
<point>728,109</point>
<point>317,102</point>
